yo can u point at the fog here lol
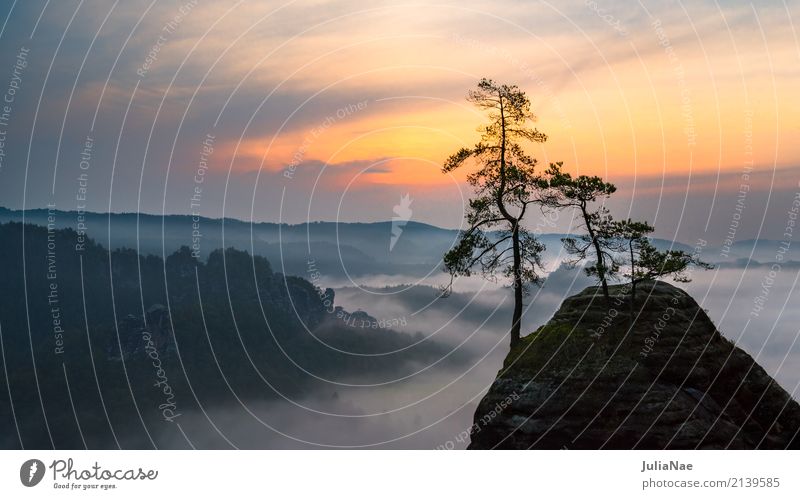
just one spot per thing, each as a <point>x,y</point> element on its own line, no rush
<point>433,408</point>
<point>769,335</point>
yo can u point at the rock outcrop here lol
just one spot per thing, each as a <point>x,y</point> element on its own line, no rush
<point>136,335</point>
<point>588,380</point>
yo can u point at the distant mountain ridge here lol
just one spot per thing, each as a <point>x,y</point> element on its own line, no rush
<point>336,249</point>
<point>333,249</point>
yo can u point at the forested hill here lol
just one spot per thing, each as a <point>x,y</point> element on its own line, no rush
<point>130,338</point>
<point>337,249</point>
<point>334,249</point>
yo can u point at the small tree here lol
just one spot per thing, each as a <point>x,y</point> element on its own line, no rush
<point>652,263</point>
<point>632,236</point>
<point>580,192</point>
<point>505,185</point>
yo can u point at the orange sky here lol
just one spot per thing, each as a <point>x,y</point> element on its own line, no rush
<point>376,92</point>
<point>656,100</point>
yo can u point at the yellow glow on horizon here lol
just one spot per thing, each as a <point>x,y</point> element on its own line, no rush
<point>710,108</point>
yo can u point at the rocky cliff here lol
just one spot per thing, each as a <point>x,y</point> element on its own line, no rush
<point>589,380</point>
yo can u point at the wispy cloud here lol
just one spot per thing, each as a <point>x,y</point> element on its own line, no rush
<point>614,93</point>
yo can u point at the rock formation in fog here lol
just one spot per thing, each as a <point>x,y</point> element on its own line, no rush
<point>587,380</point>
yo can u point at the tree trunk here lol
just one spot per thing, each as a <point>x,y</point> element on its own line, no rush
<point>517,265</point>
<point>517,318</point>
<point>633,284</point>
<point>601,266</point>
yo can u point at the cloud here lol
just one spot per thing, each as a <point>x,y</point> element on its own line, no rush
<point>261,77</point>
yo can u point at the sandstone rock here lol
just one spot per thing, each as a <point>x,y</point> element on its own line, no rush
<point>587,380</point>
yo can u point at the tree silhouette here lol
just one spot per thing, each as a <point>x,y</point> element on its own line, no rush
<point>632,237</point>
<point>580,192</point>
<point>651,263</point>
<point>505,185</point>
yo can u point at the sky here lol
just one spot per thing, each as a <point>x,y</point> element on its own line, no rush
<point>320,110</point>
